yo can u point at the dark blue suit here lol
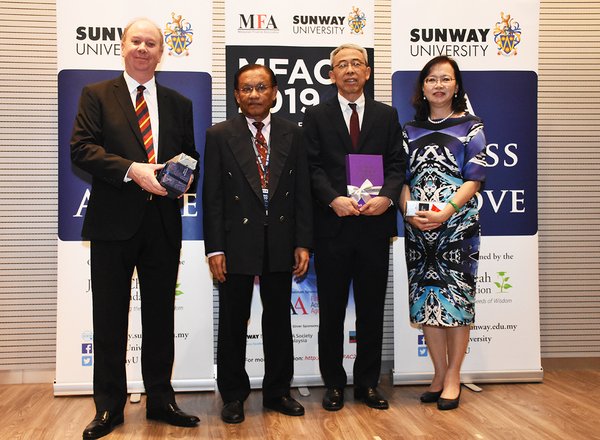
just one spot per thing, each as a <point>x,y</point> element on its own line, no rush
<point>235,222</point>
<point>351,249</point>
<point>128,229</point>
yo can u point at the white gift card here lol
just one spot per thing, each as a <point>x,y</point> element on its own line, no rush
<point>412,206</point>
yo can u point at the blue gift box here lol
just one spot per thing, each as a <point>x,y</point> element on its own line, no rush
<point>174,177</point>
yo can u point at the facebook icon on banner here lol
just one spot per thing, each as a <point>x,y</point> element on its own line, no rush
<point>86,348</point>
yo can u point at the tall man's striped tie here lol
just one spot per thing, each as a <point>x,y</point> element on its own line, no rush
<point>143,116</point>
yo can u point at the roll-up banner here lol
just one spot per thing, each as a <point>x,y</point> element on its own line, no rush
<point>295,40</point>
<point>495,44</point>
<point>89,50</point>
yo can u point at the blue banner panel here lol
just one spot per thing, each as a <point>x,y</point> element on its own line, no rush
<point>73,184</point>
<point>507,103</point>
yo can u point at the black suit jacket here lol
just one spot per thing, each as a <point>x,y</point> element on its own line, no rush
<point>106,140</point>
<point>327,142</point>
<point>234,213</point>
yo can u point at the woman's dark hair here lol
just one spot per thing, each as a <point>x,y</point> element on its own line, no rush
<point>421,105</point>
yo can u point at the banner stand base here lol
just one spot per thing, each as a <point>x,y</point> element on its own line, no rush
<point>134,387</point>
<point>469,377</point>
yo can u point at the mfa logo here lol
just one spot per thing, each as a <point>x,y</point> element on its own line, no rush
<point>507,35</point>
<point>357,20</point>
<point>178,35</point>
<point>257,23</point>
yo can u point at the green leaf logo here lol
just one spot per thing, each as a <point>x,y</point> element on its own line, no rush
<point>503,285</point>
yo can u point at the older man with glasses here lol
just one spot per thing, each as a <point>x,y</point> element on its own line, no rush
<point>257,222</point>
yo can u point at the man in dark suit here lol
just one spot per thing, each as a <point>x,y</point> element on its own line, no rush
<point>352,242</point>
<point>257,221</point>
<point>131,224</point>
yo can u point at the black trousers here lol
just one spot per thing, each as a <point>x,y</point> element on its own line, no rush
<point>112,266</point>
<point>353,256</point>
<point>235,296</point>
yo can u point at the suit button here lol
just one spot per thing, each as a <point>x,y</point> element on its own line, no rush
<point>281,219</point>
<point>245,221</point>
<point>236,198</point>
<point>291,171</point>
<point>229,174</point>
<point>287,193</point>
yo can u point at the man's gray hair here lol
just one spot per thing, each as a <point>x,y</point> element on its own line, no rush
<point>361,49</point>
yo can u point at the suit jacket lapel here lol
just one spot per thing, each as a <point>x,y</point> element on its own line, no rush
<point>281,143</point>
<point>163,108</point>
<point>124,100</point>
<point>367,122</point>
<point>340,124</point>
<point>241,147</point>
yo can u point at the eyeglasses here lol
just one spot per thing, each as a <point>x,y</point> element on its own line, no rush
<point>345,64</point>
<point>444,80</point>
<point>260,89</point>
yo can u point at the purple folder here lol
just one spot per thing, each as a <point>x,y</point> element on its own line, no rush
<point>359,169</point>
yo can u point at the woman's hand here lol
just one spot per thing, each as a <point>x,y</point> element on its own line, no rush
<point>423,221</point>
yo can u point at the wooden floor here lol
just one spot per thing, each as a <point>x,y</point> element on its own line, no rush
<point>565,406</point>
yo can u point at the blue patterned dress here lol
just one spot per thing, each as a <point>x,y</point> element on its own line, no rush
<point>442,263</point>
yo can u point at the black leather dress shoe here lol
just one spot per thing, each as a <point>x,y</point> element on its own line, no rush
<point>333,400</point>
<point>371,397</point>
<point>285,405</point>
<point>172,415</point>
<point>104,422</point>
<point>233,412</point>
<point>430,396</point>
<point>446,404</point>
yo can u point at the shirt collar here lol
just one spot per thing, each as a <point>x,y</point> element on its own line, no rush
<point>266,121</point>
<point>132,84</point>
<point>360,102</point>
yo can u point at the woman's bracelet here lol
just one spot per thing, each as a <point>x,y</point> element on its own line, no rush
<point>454,205</point>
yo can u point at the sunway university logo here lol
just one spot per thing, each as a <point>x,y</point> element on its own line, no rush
<point>178,35</point>
<point>507,35</point>
<point>357,20</point>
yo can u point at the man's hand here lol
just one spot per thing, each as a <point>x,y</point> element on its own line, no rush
<point>218,267</point>
<point>376,206</point>
<point>188,186</point>
<point>344,206</point>
<point>301,257</point>
<point>144,174</point>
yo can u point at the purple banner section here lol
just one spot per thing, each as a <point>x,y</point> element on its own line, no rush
<point>74,183</point>
<point>506,101</point>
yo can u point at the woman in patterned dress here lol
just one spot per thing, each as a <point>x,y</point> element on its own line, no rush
<point>446,156</point>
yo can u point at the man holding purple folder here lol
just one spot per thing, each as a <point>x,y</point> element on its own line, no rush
<point>352,234</point>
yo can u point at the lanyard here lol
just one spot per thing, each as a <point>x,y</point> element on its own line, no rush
<point>263,166</point>
<point>265,170</point>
